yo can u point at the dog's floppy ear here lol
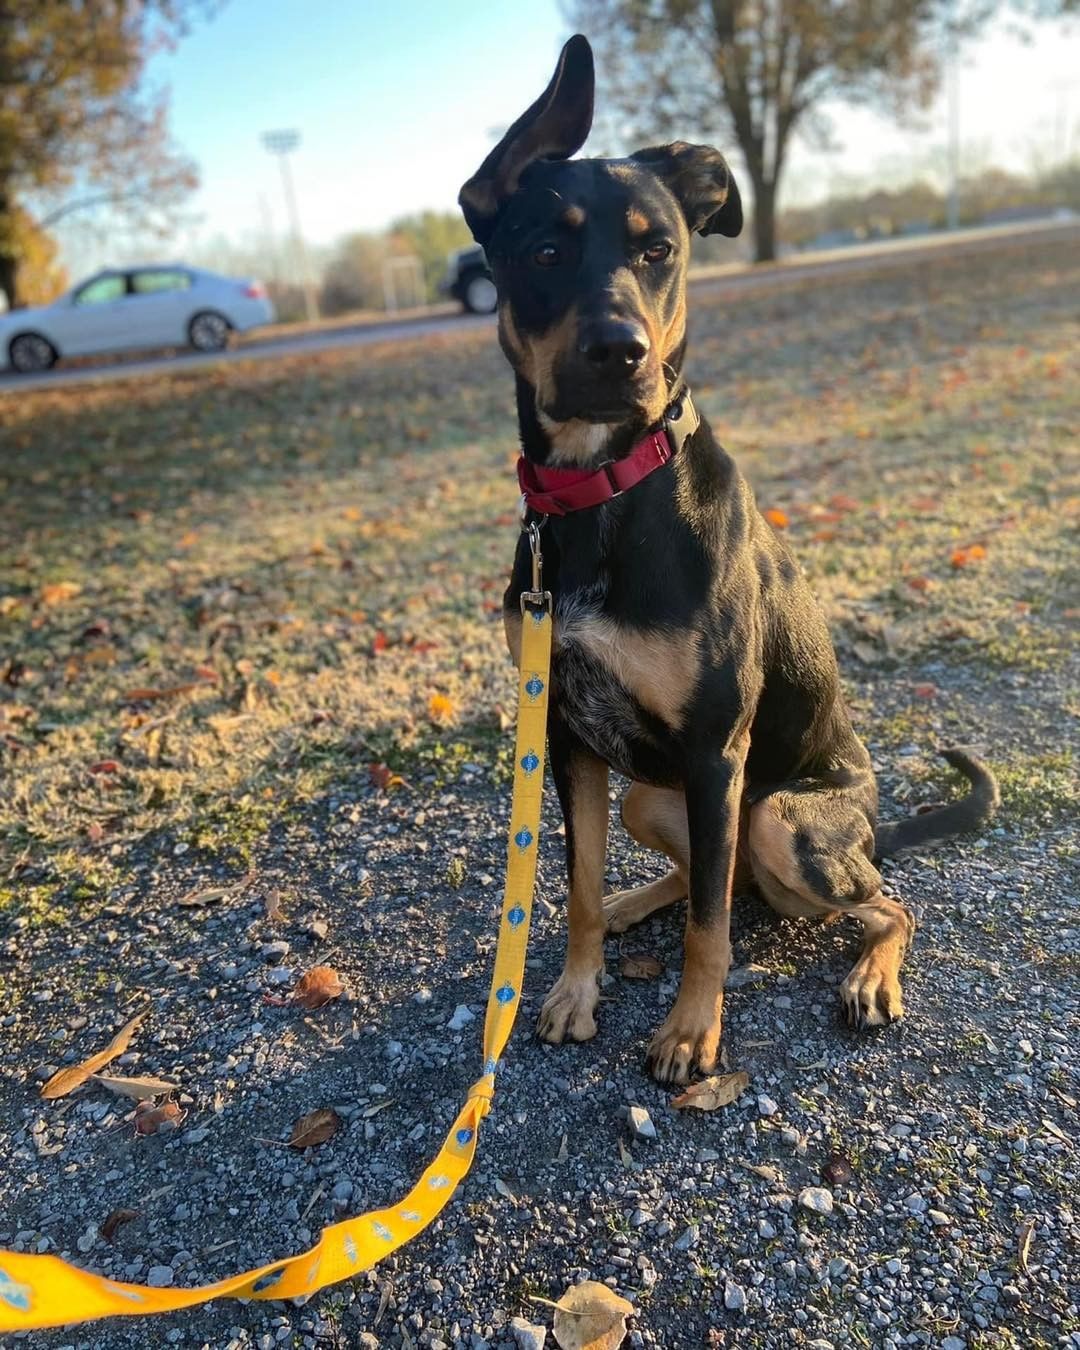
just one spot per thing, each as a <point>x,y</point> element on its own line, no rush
<point>700,179</point>
<point>554,127</point>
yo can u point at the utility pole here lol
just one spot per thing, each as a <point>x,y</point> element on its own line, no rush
<point>952,95</point>
<point>282,143</point>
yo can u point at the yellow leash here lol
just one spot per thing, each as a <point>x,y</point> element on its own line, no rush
<point>43,1291</point>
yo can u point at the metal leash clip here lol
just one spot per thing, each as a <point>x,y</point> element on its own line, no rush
<point>537,598</point>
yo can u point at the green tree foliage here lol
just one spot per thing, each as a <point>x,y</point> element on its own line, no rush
<point>431,236</point>
<point>753,71</point>
<point>77,127</point>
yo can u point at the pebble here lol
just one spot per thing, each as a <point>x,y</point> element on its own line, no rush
<point>274,951</point>
<point>279,975</point>
<point>159,1277</point>
<point>689,1239</point>
<point>766,1106</point>
<point>195,1136</point>
<point>640,1122</point>
<point>526,1335</point>
<point>734,1297</point>
<point>422,996</point>
<point>816,1199</point>
<point>461,1018</point>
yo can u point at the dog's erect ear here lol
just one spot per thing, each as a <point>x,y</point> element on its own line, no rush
<point>700,179</point>
<point>554,127</point>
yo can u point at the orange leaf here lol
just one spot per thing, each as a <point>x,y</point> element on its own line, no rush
<point>639,966</point>
<point>963,556</point>
<point>925,690</point>
<point>711,1093</point>
<point>777,517</point>
<point>150,1118</point>
<point>67,1080</point>
<point>841,502</point>
<point>380,642</point>
<point>319,986</point>
<point>383,777</point>
<point>105,766</point>
<point>58,592</point>
<point>440,708</point>
<point>919,583</point>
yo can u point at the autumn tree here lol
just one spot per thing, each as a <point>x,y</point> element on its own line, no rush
<point>755,70</point>
<point>77,126</point>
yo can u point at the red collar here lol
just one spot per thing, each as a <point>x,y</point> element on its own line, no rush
<point>556,492</point>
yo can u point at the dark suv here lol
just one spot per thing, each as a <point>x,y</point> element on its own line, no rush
<point>468,279</point>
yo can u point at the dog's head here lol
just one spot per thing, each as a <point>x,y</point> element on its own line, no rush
<point>589,256</point>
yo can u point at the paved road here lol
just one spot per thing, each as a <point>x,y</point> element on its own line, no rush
<point>730,277</point>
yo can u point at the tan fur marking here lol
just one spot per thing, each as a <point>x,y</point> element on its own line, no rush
<point>676,329</point>
<point>772,845</point>
<point>690,1036</point>
<point>511,338</point>
<point>574,216</point>
<point>659,668</point>
<point>576,442</point>
<point>636,221</point>
<point>544,353</point>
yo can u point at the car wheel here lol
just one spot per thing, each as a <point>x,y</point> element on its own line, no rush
<point>209,331</point>
<point>480,295</point>
<point>30,353</point>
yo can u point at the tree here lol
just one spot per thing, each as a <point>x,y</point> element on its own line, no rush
<point>41,277</point>
<point>77,128</point>
<point>755,70</point>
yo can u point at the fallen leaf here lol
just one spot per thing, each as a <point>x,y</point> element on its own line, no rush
<point>777,518</point>
<point>964,557</point>
<point>139,1088</point>
<point>773,1175</point>
<point>919,583</point>
<point>924,690</point>
<point>837,1170</point>
<point>105,766</point>
<point>842,502</point>
<point>315,1128</point>
<point>1024,1243</point>
<point>711,1093</point>
<point>114,1220</point>
<point>441,709</point>
<point>589,1316</point>
<point>150,1118</point>
<point>625,1156</point>
<point>59,591</point>
<point>318,986</point>
<point>67,1080</point>
<point>564,1150</point>
<point>381,776</point>
<point>639,966</point>
<point>147,695</point>
<point>272,903</point>
<point>505,1191</point>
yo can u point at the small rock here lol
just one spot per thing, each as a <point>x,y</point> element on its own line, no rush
<point>937,1217</point>
<point>274,951</point>
<point>915,1204</point>
<point>689,1239</point>
<point>953,1343</point>
<point>394,1049</point>
<point>782,1001</point>
<point>766,1106</point>
<point>422,996</point>
<point>1021,1192</point>
<point>195,1136</point>
<point>749,974</point>
<point>342,1192</point>
<point>766,1230</point>
<point>279,975</point>
<point>640,1218</point>
<point>640,1122</point>
<point>816,1199</point>
<point>461,1018</point>
<point>318,929</point>
<point>159,1277</point>
<point>734,1297</point>
<point>526,1336</point>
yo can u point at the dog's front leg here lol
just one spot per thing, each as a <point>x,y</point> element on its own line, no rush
<point>689,1039</point>
<point>582,783</point>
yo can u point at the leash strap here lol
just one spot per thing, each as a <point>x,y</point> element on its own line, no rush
<point>44,1291</point>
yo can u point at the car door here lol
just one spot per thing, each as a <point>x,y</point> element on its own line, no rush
<point>94,320</point>
<point>159,305</point>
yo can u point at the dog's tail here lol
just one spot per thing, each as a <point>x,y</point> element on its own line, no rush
<point>969,813</point>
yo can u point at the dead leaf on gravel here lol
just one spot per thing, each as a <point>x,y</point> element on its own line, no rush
<point>773,1175</point>
<point>625,1156</point>
<point>139,1088</point>
<point>381,776</point>
<point>209,895</point>
<point>150,1118</point>
<point>146,695</point>
<point>115,1219</point>
<point>639,966</point>
<point>505,1191</point>
<point>318,986</point>
<point>589,1316</point>
<point>712,1093</point>
<point>315,1128</point>
<point>1024,1243</point>
<point>837,1170</point>
<point>272,901</point>
<point>67,1080</point>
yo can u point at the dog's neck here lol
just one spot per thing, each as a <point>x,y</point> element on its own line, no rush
<point>572,444</point>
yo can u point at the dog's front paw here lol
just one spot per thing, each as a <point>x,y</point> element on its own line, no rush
<point>568,1010</point>
<point>687,1043</point>
<point>871,993</point>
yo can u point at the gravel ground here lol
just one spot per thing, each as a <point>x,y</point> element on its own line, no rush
<point>915,1186</point>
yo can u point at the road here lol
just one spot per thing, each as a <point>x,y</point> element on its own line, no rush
<point>734,278</point>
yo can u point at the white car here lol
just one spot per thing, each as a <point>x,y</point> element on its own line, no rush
<point>127,308</point>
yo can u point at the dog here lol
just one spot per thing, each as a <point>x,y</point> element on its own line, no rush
<point>688,653</point>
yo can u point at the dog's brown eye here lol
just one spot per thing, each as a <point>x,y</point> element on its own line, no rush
<point>547,256</point>
<point>656,253</point>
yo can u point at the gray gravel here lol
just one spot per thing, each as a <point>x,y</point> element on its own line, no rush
<point>958,1125</point>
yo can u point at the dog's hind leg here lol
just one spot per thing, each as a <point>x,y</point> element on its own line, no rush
<point>656,818</point>
<point>811,845</point>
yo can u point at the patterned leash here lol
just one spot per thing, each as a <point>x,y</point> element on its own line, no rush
<point>44,1291</point>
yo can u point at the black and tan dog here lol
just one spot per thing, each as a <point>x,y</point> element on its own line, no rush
<point>689,653</point>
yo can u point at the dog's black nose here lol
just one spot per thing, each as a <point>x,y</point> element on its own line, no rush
<point>614,347</point>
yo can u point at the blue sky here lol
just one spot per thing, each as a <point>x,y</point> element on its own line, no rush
<point>396,103</point>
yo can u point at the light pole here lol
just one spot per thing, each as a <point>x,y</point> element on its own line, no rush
<point>952,95</point>
<point>282,143</point>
